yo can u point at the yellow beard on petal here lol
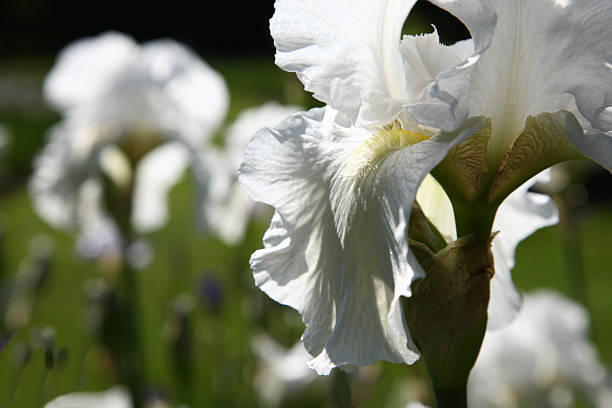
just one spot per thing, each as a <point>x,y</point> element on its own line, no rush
<point>370,154</point>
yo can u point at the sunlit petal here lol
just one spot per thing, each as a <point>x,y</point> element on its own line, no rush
<point>337,248</point>
<point>545,56</point>
<point>346,52</point>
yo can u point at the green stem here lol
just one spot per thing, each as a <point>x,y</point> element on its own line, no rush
<point>570,238</point>
<point>127,346</point>
<point>131,359</point>
<point>451,397</point>
<point>474,217</point>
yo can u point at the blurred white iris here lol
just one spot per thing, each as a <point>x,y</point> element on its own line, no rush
<point>543,359</point>
<point>227,209</point>
<point>135,116</point>
<point>281,371</point>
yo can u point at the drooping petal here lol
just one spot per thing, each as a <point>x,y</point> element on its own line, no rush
<point>301,244</point>
<point>303,263</point>
<point>519,216</point>
<point>546,56</point>
<point>156,174</point>
<point>86,68</point>
<point>345,52</point>
<point>337,249</point>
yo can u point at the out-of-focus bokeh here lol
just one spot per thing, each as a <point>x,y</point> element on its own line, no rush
<point>203,333</point>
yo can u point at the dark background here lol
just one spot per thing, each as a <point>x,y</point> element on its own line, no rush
<point>213,28</point>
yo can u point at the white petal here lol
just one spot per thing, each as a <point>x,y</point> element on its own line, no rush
<point>546,56</point>
<point>437,207</point>
<point>447,104</point>
<point>519,216</point>
<point>116,397</point>
<point>372,218</point>
<point>60,170</point>
<point>303,263</point>
<point>346,52</point>
<point>85,68</point>
<point>156,174</point>
<point>197,96</point>
<point>425,57</point>
<point>290,268</point>
<point>336,249</point>
<point>248,122</point>
<point>595,145</point>
<point>161,88</point>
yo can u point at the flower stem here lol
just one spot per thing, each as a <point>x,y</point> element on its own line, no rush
<point>447,314</point>
<point>451,397</point>
<point>131,358</point>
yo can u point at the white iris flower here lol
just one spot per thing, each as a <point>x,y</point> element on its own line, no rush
<point>134,114</point>
<point>531,87</point>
